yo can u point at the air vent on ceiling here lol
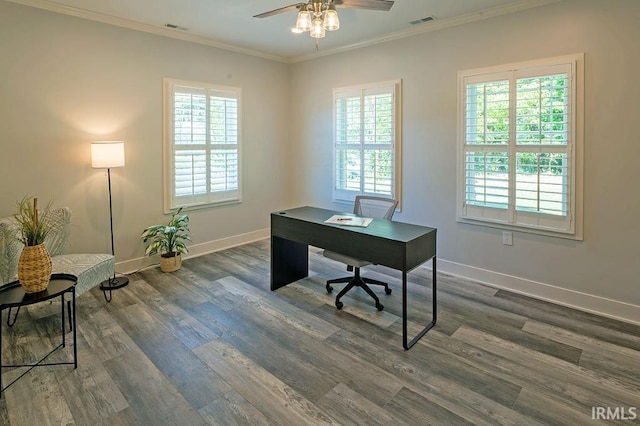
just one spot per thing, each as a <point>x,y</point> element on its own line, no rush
<point>423,20</point>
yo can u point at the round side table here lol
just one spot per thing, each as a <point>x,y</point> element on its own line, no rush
<point>12,295</point>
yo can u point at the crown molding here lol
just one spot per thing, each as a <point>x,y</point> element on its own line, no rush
<point>176,34</point>
<point>431,26</point>
<point>137,26</point>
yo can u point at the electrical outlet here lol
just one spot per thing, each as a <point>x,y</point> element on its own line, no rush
<point>507,238</point>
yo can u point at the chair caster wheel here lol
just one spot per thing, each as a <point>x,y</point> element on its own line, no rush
<point>329,289</point>
<point>387,290</point>
<point>339,305</point>
<point>379,306</point>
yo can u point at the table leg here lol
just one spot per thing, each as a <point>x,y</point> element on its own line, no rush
<point>1,389</point>
<point>15,317</point>
<point>289,261</point>
<point>404,309</point>
<point>75,340</point>
<point>62,320</point>
<point>69,310</point>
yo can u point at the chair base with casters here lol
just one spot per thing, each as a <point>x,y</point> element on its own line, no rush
<point>368,206</point>
<point>356,280</point>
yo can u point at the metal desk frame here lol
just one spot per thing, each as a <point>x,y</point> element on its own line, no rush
<point>398,245</point>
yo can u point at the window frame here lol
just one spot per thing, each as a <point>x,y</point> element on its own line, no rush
<point>512,218</point>
<point>340,195</point>
<point>211,197</point>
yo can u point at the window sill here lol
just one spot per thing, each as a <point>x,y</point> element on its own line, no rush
<point>202,206</point>
<point>577,236</point>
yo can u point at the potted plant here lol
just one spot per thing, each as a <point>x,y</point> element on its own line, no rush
<point>169,241</point>
<point>34,265</point>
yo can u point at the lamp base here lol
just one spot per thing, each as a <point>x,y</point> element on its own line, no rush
<point>114,283</point>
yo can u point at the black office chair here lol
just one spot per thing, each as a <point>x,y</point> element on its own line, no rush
<point>376,207</point>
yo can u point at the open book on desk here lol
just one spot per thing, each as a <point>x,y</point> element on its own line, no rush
<point>349,220</point>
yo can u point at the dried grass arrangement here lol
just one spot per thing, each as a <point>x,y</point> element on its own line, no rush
<point>34,265</point>
<point>34,226</point>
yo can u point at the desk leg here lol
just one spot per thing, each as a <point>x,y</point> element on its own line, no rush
<point>289,262</point>
<point>404,309</point>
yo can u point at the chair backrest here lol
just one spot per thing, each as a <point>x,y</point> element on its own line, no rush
<point>57,239</point>
<point>377,207</point>
<point>11,247</point>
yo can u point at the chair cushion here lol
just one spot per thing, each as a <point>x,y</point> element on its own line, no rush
<point>352,261</point>
<point>91,269</point>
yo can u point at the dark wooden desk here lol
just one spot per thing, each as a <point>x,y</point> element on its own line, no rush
<point>398,245</point>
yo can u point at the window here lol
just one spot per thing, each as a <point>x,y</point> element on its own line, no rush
<point>367,141</point>
<point>202,144</point>
<point>520,146</point>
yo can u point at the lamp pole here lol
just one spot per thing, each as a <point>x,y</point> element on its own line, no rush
<point>113,251</point>
<point>107,155</point>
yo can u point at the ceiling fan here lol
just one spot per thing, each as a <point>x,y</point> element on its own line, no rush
<point>383,5</point>
<point>318,16</point>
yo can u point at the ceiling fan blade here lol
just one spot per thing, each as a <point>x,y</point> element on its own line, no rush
<point>279,10</point>
<point>384,5</point>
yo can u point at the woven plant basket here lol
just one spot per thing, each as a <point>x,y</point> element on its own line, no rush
<point>34,268</point>
<point>170,264</point>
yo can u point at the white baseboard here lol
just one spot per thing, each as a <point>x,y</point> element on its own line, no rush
<point>561,296</point>
<point>573,299</point>
<point>195,250</point>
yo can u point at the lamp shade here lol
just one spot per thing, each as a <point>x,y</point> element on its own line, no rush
<point>304,21</point>
<point>331,20</point>
<point>107,154</point>
<point>317,28</point>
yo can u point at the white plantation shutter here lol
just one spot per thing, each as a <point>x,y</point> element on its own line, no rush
<point>517,146</point>
<point>224,140</point>
<point>542,152</point>
<point>366,142</point>
<point>486,159</point>
<point>202,144</point>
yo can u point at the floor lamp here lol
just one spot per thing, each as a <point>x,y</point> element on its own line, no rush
<point>106,155</point>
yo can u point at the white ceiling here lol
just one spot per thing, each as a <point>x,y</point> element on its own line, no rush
<point>230,23</point>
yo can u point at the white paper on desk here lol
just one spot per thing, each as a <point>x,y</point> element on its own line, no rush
<point>349,220</point>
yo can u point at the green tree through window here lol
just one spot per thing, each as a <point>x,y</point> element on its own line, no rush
<point>516,145</point>
<point>365,141</point>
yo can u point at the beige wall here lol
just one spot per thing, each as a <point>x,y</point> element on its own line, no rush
<point>66,81</point>
<point>605,264</point>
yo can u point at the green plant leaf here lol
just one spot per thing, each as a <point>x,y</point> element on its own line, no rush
<point>167,238</point>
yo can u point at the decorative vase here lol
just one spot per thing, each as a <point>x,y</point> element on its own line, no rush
<point>170,262</point>
<point>34,268</point>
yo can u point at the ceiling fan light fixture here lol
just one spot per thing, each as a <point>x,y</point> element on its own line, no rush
<point>331,20</point>
<point>317,28</point>
<point>304,21</point>
<point>319,16</point>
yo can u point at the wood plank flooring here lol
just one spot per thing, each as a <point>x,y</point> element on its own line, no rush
<point>210,344</point>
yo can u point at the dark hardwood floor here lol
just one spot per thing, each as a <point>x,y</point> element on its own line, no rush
<point>210,344</point>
